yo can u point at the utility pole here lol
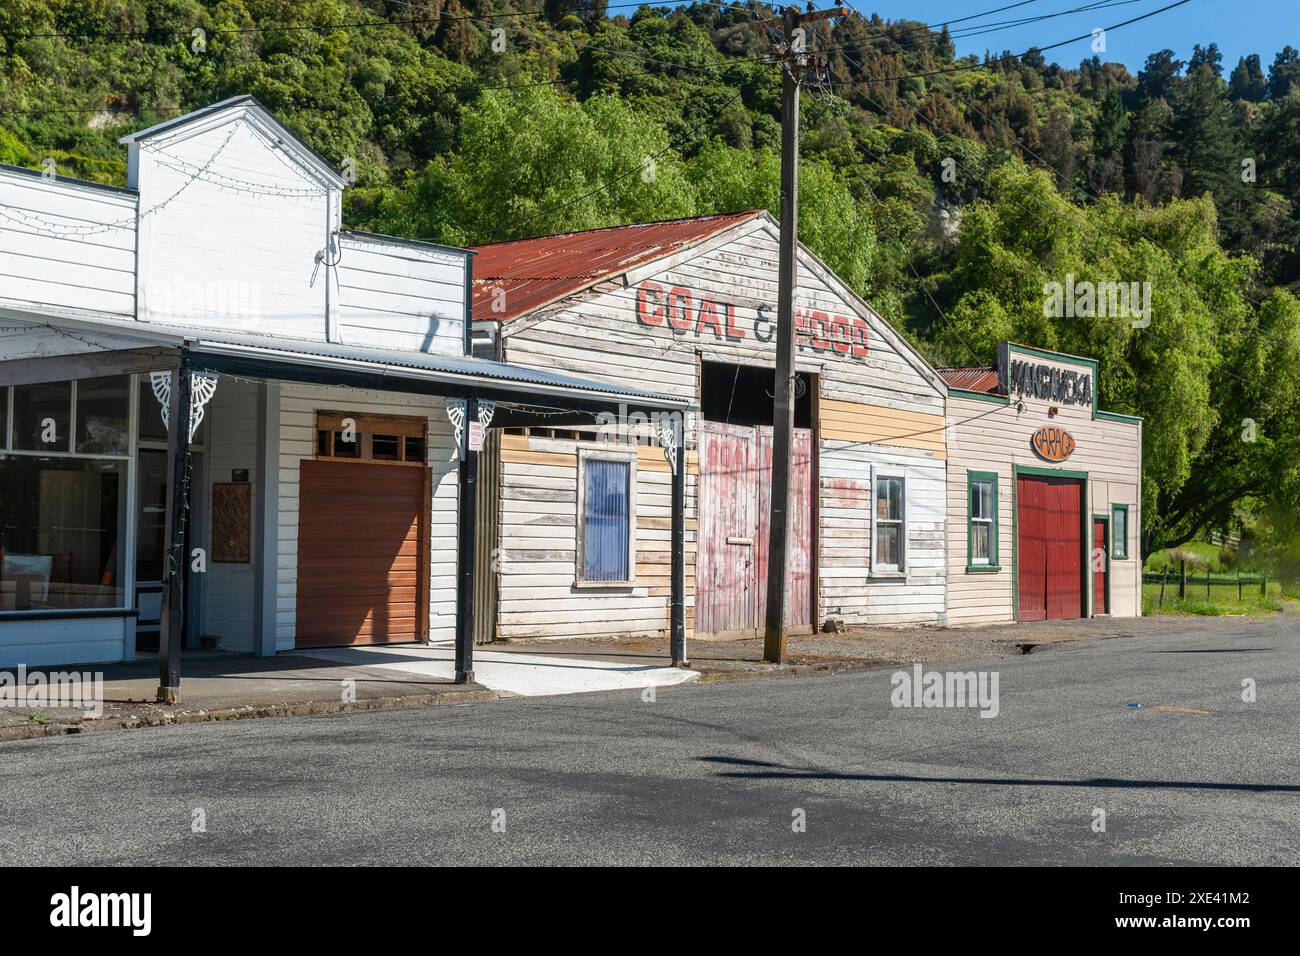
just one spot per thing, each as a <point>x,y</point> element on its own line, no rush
<point>791,53</point>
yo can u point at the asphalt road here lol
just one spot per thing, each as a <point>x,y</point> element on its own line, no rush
<point>716,773</point>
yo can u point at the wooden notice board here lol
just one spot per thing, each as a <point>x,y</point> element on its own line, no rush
<point>232,522</point>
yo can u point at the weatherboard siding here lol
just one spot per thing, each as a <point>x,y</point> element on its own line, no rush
<point>539,595</point>
<point>66,247</point>
<point>875,409</point>
<point>229,231</point>
<point>399,295</point>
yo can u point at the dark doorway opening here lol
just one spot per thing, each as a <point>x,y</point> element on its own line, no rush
<point>743,394</point>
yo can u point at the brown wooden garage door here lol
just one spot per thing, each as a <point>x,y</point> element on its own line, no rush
<point>363,534</point>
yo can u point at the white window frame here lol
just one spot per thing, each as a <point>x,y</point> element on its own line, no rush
<point>879,569</point>
<point>990,521</point>
<point>605,454</point>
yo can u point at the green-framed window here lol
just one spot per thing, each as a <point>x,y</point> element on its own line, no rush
<point>1119,531</point>
<point>982,521</point>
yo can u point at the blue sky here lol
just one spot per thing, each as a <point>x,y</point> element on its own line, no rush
<point>1239,27</point>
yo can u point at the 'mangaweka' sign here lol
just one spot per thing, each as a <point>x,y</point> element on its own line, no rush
<point>1050,382</point>
<point>1052,443</point>
<point>687,312</point>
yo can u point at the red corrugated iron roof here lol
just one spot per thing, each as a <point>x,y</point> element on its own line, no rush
<point>536,272</point>
<point>972,378</point>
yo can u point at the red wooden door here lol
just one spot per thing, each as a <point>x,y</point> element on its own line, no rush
<point>1049,531</point>
<point>1100,564</point>
<point>734,501</point>
<point>728,490</point>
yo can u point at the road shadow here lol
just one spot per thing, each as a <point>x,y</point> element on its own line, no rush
<point>772,771</point>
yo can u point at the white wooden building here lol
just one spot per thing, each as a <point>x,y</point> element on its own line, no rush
<point>324,492</point>
<point>1044,493</point>
<point>688,308</point>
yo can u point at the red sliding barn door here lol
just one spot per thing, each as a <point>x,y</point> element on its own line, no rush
<point>734,499</point>
<point>1049,528</point>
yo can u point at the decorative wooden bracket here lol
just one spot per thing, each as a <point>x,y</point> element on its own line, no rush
<point>456,415</point>
<point>203,385</point>
<point>667,428</point>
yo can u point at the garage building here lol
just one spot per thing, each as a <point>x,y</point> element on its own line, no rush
<point>1044,493</point>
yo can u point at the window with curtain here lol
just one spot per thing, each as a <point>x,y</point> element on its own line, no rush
<point>62,521</point>
<point>606,519</point>
<point>63,494</point>
<point>982,534</point>
<point>891,537</point>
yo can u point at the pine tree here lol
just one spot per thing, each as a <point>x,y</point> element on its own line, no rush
<point>1248,81</point>
<point>1206,56</point>
<point>1284,76</point>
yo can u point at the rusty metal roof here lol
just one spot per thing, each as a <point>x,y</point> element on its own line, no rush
<point>535,272</point>
<point>972,378</point>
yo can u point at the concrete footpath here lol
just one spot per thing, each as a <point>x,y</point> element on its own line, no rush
<point>217,686</point>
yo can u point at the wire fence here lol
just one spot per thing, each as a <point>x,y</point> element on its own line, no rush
<point>1175,583</point>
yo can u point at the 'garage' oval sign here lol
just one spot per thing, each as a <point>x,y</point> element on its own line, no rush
<point>1053,444</point>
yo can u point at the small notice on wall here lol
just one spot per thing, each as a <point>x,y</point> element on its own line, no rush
<point>232,523</point>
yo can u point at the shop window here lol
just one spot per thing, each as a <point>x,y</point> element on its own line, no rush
<point>61,527</point>
<point>606,517</point>
<point>103,411</point>
<point>890,519</point>
<point>42,417</point>
<point>386,448</point>
<point>982,521</point>
<point>1119,531</point>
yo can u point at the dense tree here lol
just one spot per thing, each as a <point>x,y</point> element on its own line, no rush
<point>1248,81</point>
<point>1284,75</point>
<point>1159,77</point>
<point>1207,57</point>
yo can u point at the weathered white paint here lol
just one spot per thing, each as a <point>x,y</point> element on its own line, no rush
<point>539,593</point>
<point>597,333</point>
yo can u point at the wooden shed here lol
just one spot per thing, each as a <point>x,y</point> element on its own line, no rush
<point>688,308</point>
